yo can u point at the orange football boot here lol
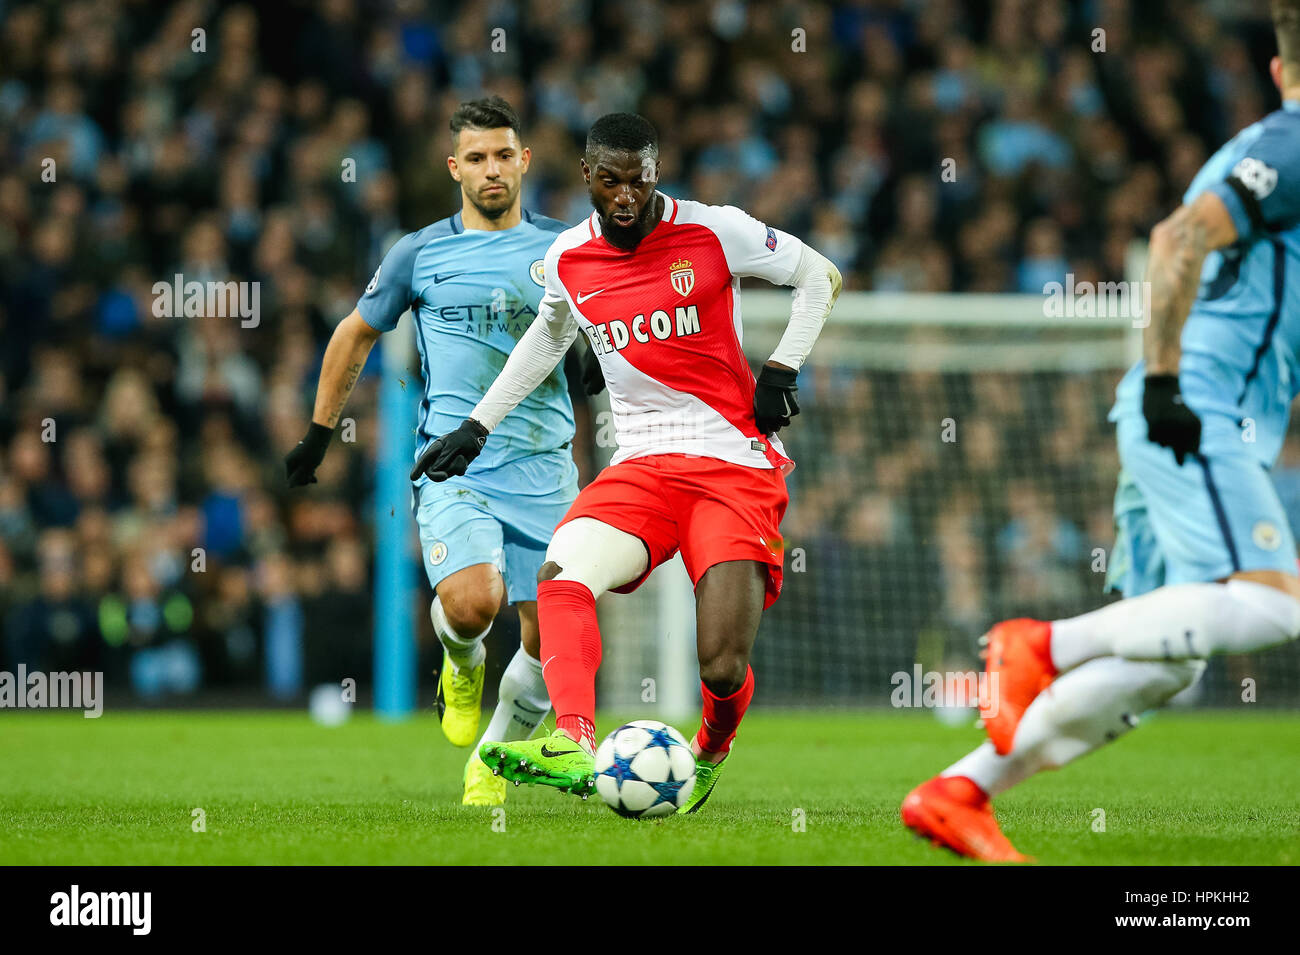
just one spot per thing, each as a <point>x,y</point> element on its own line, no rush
<point>1017,666</point>
<point>953,813</point>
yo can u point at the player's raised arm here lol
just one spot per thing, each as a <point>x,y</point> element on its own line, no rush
<point>385,299</point>
<point>540,349</point>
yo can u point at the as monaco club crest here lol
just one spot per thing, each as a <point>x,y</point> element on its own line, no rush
<point>683,276</point>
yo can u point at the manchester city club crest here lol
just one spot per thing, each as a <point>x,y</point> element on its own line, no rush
<point>437,553</point>
<point>682,276</point>
<point>1266,536</point>
<point>537,271</point>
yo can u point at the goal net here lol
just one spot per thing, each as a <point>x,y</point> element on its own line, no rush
<point>955,467</point>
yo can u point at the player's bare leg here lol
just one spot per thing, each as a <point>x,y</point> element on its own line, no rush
<point>463,610</point>
<point>1287,583</point>
<point>728,607</point>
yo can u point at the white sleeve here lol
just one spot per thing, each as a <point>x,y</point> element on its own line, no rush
<point>817,284</point>
<point>535,356</point>
<point>753,248</point>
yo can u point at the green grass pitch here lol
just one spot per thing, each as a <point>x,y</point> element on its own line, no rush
<point>1187,788</point>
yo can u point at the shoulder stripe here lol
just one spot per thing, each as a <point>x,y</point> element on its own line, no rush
<point>1248,201</point>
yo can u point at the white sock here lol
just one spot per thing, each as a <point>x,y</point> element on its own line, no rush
<point>1096,702</point>
<point>1180,622</point>
<point>462,651</point>
<point>522,701</point>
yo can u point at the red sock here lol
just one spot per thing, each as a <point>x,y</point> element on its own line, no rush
<point>722,715</point>
<point>566,616</point>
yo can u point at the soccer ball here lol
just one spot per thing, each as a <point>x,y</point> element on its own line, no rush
<point>644,769</point>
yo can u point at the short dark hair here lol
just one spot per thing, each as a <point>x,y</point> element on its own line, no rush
<point>490,112</point>
<point>623,131</point>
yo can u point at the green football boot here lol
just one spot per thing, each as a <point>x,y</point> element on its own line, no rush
<point>460,701</point>
<point>706,777</point>
<point>555,760</point>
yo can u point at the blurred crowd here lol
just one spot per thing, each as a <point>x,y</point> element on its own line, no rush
<point>923,145</point>
<point>940,503</point>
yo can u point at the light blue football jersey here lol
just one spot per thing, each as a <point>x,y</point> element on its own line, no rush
<point>1240,365</point>
<point>473,294</point>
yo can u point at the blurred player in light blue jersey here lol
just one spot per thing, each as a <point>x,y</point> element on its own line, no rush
<point>1204,553</point>
<point>473,283</point>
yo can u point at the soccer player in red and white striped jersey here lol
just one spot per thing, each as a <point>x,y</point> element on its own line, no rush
<point>654,284</point>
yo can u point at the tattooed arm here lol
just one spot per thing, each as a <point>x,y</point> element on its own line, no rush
<point>1178,249</point>
<point>345,356</point>
<point>1179,246</point>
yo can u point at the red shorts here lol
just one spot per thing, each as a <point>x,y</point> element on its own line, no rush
<point>712,510</point>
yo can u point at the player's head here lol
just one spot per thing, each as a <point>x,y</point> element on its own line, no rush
<point>1285,67</point>
<point>488,159</point>
<point>621,166</point>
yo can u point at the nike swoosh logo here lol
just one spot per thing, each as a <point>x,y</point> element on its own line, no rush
<point>582,298</point>
<point>552,753</point>
<point>439,279</point>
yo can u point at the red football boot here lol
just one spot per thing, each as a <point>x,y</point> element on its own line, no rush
<point>953,813</point>
<point>1017,666</point>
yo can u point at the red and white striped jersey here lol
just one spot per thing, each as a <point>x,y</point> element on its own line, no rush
<point>664,321</point>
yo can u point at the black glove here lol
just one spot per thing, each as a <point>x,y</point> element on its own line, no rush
<point>776,399</point>
<point>593,379</point>
<point>451,454</point>
<point>301,463</point>
<point>1170,422</point>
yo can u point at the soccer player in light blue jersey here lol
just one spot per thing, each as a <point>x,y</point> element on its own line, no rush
<point>473,283</point>
<point>1204,554</point>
